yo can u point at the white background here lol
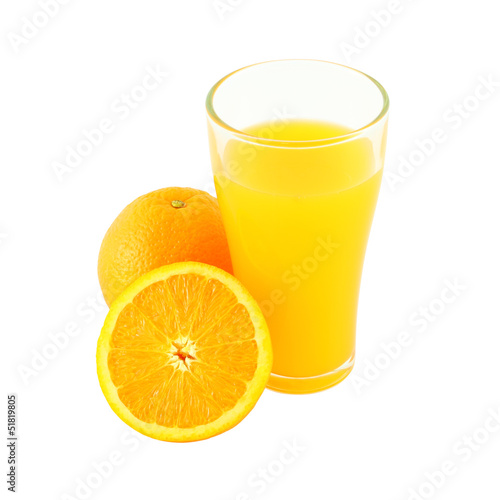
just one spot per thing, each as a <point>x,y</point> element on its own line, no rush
<point>440,223</point>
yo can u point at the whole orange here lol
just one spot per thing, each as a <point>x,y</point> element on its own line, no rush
<point>162,227</point>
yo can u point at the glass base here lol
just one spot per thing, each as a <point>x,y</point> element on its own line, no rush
<point>306,385</point>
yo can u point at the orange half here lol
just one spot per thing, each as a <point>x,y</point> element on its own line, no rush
<point>184,353</point>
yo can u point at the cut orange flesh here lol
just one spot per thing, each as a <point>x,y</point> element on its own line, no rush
<point>184,353</point>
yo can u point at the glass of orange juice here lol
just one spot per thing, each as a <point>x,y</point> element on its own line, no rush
<point>297,150</point>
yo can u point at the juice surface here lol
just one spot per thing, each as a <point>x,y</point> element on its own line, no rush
<point>297,220</point>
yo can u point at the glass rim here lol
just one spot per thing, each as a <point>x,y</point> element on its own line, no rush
<point>310,142</point>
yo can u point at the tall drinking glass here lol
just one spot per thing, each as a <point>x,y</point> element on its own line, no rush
<point>297,150</point>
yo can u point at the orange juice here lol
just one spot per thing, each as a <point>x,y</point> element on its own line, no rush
<point>297,218</point>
